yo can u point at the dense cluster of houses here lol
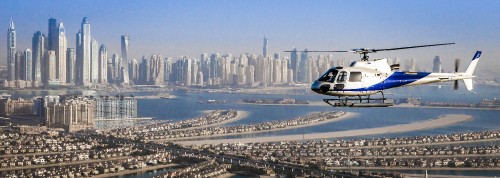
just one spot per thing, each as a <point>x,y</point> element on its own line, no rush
<point>175,134</point>
<point>55,154</point>
<point>422,151</point>
<point>208,168</point>
<point>214,117</point>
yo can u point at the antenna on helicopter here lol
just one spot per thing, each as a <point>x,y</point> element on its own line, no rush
<point>364,51</point>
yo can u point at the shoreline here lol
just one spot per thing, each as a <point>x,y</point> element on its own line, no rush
<point>127,171</point>
<point>239,115</point>
<point>347,115</point>
<point>440,121</point>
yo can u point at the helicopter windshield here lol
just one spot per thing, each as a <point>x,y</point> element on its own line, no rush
<point>329,76</point>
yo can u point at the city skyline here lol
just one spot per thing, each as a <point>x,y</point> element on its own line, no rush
<point>205,31</point>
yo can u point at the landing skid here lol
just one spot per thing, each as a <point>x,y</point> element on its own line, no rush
<point>358,101</point>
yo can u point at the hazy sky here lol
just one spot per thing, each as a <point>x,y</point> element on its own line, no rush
<point>176,28</point>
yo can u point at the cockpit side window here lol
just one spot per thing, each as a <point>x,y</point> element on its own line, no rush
<point>329,76</point>
<point>355,77</point>
<point>342,77</point>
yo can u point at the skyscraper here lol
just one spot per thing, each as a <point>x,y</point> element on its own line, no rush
<point>214,66</point>
<point>304,67</point>
<point>187,71</point>
<point>114,73</point>
<point>437,65</point>
<point>28,65</point>
<point>294,64</point>
<point>167,75</point>
<point>11,52</point>
<point>53,34</point>
<point>61,53</point>
<point>103,65</point>
<point>85,53</point>
<point>71,66</point>
<point>52,61</point>
<point>38,46</point>
<point>413,66</point>
<point>94,63</point>
<point>19,66</point>
<point>264,48</point>
<point>51,66</point>
<point>78,58</point>
<point>134,70</point>
<point>124,48</point>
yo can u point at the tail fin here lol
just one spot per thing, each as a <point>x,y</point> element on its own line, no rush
<point>468,84</point>
<point>473,63</point>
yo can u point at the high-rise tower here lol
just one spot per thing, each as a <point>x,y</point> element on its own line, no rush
<point>71,66</point>
<point>53,34</point>
<point>11,52</point>
<point>94,62</point>
<point>61,53</point>
<point>39,48</point>
<point>304,67</point>
<point>264,48</point>
<point>19,66</point>
<point>124,48</point>
<point>78,58</point>
<point>51,67</point>
<point>103,65</point>
<point>28,65</point>
<point>85,53</point>
<point>437,65</point>
<point>294,64</point>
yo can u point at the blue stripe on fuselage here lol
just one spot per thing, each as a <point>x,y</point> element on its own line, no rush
<point>397,79</point>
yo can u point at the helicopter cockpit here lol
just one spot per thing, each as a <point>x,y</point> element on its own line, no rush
<point>335,76</point>
<point>329,76</point>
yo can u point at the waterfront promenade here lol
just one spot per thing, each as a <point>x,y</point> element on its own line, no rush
<point>441,121</point>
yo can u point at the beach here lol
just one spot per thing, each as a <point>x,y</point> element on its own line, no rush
<point>441,121</point>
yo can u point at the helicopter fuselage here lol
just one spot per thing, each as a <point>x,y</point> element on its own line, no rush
<point>364,78</point>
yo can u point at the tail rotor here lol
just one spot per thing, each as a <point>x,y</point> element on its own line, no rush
<point>455,83</point>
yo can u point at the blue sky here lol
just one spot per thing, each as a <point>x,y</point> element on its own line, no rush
<point>184,27</point>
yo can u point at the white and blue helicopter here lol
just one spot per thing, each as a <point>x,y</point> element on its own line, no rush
<point>354,85</point>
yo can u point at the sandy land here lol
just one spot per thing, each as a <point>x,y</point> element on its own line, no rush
<point>427,124</point>
<point>149,168</point>
<point>226,175</point>
<point>239,115</point>
<point>345,116</point>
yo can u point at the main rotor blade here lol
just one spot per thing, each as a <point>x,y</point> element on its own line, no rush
<point>324,51</point>
<point>408,47</point>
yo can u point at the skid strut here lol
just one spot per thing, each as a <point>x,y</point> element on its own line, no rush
<point>358,101</point>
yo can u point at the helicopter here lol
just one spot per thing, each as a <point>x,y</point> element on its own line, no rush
<point>355,85</point>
